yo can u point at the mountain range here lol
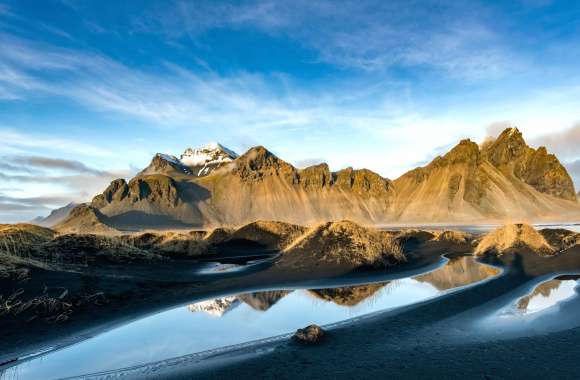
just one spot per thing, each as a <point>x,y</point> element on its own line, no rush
<point>501,179</point>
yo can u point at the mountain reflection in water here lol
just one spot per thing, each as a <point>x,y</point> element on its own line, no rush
<point>457,272</point>
<point>546,295</point>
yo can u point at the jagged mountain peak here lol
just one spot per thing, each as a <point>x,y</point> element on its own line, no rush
<point>259,162</point>
<point>466,151</point>
<point>509,145</point>
<point>536,167</point>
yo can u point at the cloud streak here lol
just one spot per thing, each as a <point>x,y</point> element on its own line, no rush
<point>27,163</point>
<point>564,143</point>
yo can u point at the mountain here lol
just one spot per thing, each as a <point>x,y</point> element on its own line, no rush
<point>502,179</point>
<point>55,216</point>
<point>256,185</point>
<point>193,162</point>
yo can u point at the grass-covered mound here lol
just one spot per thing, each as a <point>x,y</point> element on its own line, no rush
<point>514,238</point>
<point>20,239</point>
<point>344,243</point>
<point>177,245</point>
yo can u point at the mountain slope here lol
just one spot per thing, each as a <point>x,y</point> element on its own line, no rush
<point>85,219</point>
<point>502,179</point>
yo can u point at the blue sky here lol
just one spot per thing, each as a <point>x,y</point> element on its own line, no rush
<point>91,90</point>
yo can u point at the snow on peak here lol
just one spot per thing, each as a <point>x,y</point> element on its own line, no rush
<point>212,153</point>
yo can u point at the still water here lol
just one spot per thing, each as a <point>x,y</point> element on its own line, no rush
<point>241,318</point>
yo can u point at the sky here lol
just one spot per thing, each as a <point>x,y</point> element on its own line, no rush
<point>91,90</point>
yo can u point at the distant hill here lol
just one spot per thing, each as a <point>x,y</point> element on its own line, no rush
<point>56,216</point>
<point>502,179</point>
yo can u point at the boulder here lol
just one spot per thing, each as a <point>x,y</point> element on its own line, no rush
<point>310,335</point>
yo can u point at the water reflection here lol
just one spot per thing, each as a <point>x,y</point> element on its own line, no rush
<point>241,318</point>
<point>458,272</point>
<point>352,295</point>
<point>546,295</point>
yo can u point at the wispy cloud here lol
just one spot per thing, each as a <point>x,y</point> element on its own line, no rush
<point>457,38</point>
<point>15,142</point>
<point>30,185</point>
<point>28,163</point>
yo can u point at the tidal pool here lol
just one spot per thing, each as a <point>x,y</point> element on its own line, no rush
<point>546,295</point>
<point>539,311</point>
<point>240,318</point>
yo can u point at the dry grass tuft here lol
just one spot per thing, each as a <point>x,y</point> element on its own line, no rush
<point>52,308</point>
<point>21,239</point>
<point>219,235</point>
<point>560,239</point>
<point>171,244</point>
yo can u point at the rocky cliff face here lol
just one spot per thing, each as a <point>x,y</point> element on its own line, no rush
<point>512,156</point>
<point>503,178</point>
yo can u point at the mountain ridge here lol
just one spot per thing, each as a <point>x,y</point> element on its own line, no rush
<point>502,179</point>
